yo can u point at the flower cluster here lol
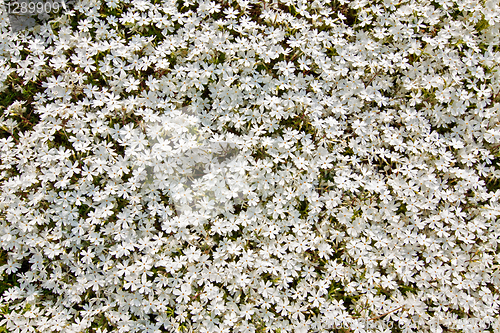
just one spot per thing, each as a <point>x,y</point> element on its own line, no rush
<point>362,195</point>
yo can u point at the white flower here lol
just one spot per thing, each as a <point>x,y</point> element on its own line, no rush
<point>163,165</point>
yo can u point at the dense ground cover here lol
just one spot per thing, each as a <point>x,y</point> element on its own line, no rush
<point>360,193</point>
